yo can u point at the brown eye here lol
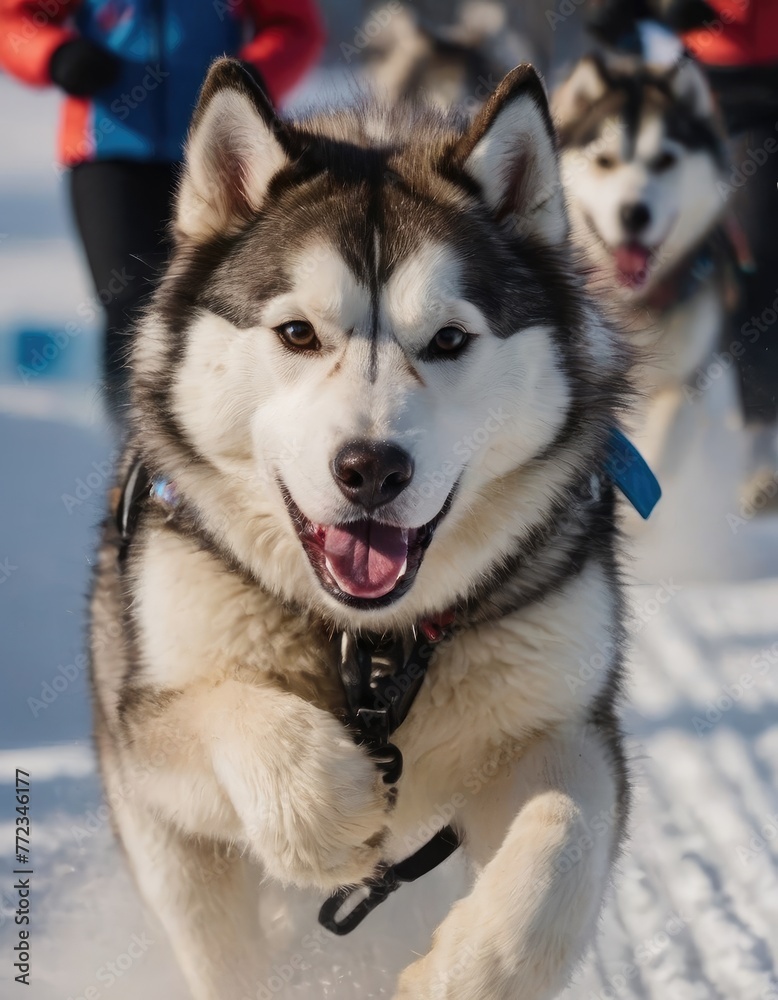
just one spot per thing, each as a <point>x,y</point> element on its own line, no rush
<point>448,343</point>
<point>298,335</point>
<point>663,162</point>
<point>605,162</point>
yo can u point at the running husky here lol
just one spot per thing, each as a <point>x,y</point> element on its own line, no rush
<point>371,403</point>
<point>643,157</point>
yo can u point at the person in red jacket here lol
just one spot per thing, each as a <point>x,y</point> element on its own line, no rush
<point>131,71</point>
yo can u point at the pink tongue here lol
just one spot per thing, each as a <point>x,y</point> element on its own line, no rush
<point>365,558</point>
<point>632,263</point>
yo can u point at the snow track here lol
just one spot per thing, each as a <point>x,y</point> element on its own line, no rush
<point>693,914</point>
<point>694,910</point>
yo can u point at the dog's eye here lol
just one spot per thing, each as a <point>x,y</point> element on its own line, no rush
<point>298,335</point>
<point>605,162</point>
<point>447,343</point>
<point>663,162</point>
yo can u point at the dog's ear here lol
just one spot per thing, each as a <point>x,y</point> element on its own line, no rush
<point>688,84</point>
<point>585,86</point>
<point>510,151</point>
<point>235,147</point>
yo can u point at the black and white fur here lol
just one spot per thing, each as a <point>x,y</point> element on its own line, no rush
<point>410,57</point>
<point>643,156</point>
<point>221,753</point>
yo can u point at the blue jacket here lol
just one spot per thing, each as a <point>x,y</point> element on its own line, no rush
<point>164,48</point>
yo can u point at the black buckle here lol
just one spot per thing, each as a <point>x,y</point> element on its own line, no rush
<point>389,759</point>
<point>381,677</point>
<point>378,889</point>
<point>433,853</point>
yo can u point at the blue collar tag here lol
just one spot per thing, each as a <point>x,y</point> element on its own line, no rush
<point>630,472</point>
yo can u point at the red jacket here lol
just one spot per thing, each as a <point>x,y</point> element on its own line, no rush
<point>164,48</point>
<point>745,33</point>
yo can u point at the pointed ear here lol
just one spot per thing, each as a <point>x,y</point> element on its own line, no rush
<point>688,84</point>
<point>586,84</point>
<point>235,147</point>
<point>510,151</point>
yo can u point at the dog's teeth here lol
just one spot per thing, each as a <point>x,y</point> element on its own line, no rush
<point>403,568</point>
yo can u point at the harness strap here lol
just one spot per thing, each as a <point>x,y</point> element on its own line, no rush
<point>136,485</point>
<point>383,674</point>
<point>432,854</point>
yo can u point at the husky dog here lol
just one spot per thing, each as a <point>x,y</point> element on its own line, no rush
<point>643,157</point>
<point>459,64</point>
<point>372,398</point>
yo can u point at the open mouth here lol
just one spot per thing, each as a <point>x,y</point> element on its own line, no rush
<point>633,261</point>
<point>367,563</point>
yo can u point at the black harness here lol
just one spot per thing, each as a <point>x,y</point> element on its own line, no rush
<point>381,677</point>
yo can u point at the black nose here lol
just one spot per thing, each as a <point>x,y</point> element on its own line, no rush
<point>635,217</point>
<point>372,473</point>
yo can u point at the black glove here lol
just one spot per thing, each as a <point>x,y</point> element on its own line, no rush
<point>81,68</point>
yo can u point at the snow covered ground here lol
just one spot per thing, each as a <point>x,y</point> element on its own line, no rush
<point>694,910</point>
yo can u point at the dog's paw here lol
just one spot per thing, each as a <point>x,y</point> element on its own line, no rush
<point>414,983</point>
<point>322,820</point>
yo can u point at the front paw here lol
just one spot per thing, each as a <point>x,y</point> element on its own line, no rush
<point>323,820</point>
<point>414,983</point>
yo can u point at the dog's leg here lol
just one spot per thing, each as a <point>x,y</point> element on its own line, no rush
<point>266,769</point>
<point>543,869</point>
<point>206,897</point>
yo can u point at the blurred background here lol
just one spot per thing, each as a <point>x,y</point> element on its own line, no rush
<point>694,912</point>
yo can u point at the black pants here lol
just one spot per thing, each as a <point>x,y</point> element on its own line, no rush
<point>755,323</point>
<point>122,209</point>
<point>748,97</point>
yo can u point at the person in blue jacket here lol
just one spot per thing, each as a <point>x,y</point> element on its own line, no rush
<point>131,70</point>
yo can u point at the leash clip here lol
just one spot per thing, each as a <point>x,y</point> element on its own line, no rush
<point>433,853</point>
<point>378,889</point>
